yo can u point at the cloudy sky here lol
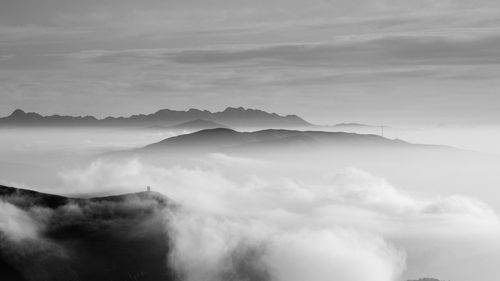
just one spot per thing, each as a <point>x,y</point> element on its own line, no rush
<point>372,61</point>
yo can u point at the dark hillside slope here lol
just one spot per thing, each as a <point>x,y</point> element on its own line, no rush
<point>108,238</point>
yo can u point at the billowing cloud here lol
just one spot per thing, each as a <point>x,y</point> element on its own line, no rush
<point>208,189</point>
<point>260,227</point>
<point>17,224</point>
<point>220,249</point>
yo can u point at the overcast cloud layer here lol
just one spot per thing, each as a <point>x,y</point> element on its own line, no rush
<point>365,61</point>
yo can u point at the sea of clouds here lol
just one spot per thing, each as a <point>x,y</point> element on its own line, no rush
<point>236,222</point>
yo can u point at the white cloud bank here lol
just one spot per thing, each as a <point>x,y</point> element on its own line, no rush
<point>207,248</point>
<point>279,228</point>
<point>216,191</point>
<point>17,224</point>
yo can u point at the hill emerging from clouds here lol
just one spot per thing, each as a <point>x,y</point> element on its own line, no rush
<point>223,139</point>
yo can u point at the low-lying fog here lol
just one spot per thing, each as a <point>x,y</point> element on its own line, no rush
<point>356,216</point>
<point>477,138</point>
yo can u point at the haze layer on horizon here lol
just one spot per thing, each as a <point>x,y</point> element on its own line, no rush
<point>382,61</point>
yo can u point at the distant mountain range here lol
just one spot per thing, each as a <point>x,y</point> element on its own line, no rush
<point>232,117</point>
<point>189,120</point>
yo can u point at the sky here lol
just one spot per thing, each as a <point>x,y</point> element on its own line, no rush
<point>396,62</point>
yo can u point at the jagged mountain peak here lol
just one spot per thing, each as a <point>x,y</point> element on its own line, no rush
<point>231,116</point>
